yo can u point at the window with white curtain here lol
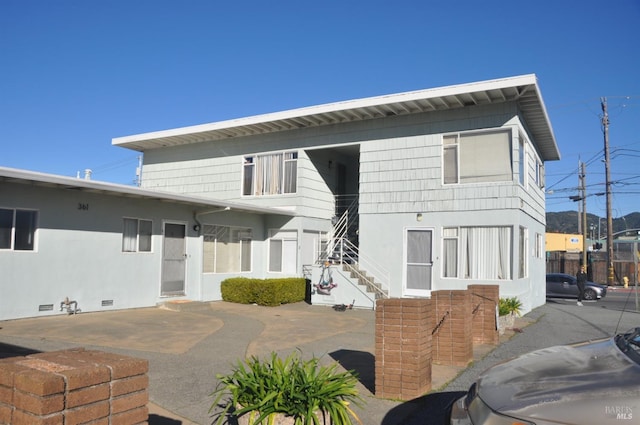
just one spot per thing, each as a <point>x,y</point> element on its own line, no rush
<point>18,229</point>
<point>270,174</point>
<point>136,235</point>
<point>477,157</point>
<point>419,261</point>
<point>450,252</point>
<point>523,252</point>
<point>226,249</point>
<point>485,253</point>
<point>283,251</point>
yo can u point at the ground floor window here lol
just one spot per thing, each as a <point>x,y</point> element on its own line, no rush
<point>136,235</point>
<point>283,251</point>
<point>450,252</point>
<point>539,246</point>
<point>523,252</point>
<point>226,249</point>
<point>419,262</point>
<point>18,229</point>
<point>477,252</point>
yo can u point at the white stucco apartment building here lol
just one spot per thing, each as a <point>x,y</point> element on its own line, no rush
<point>418,191</point>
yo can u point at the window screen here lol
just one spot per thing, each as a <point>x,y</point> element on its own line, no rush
<point>419,261</point>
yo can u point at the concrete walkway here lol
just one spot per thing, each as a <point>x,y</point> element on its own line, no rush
<point>187,344</point>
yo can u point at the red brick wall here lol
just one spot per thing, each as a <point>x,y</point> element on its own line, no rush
<point>452,333</point>
<point>74,387</point>
<point>403,348</point>
<point>484,300</point>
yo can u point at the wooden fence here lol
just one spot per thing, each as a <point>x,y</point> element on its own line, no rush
<point>625,262</point>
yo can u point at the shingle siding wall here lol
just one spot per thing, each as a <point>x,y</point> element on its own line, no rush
<point>400,165</point>
<point>405,175</point>
<point>221,178</point>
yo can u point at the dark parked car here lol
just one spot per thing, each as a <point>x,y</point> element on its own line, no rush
<point>594,382</point>
<point>561,285</point>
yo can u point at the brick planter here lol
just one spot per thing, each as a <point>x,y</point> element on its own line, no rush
<point>484,303</point>
<point>73,387</point>
<point>452,335</point>
<point>403,348</point>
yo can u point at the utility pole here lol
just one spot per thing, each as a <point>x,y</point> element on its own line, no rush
<point>583,185</point>
<point>582,212</point>
<point>607,165</point>
<point>139,172</point>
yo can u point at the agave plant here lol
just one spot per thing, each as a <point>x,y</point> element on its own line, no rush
<point>304,391</point>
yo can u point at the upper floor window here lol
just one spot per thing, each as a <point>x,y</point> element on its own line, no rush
<point>136,235</point>
<point>522,161</point>
<point>18,229</point>
<point>270,174</point>
<point>477,157</point>
<point>540,174</point>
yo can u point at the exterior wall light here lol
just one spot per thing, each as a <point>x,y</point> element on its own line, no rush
<point>419,217</point>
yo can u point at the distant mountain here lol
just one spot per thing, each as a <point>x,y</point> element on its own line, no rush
<point>567,222</point>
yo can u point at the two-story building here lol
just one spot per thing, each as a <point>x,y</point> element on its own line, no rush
<point>414,192</point>
<point>432,189</point>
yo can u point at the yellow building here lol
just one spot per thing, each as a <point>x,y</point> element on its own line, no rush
<point>563,242</point>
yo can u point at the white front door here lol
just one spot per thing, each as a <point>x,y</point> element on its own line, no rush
<point>418,262</point>
<point>173,259</point>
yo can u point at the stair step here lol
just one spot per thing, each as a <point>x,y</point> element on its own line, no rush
<point>184,305</point>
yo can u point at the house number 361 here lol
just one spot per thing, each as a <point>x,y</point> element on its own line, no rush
<point>83,207</point>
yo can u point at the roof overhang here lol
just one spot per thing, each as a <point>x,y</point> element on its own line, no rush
<point>12,175</point>
<point>522,89</point>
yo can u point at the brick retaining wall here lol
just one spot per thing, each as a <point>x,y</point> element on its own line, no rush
<point>74,387</point>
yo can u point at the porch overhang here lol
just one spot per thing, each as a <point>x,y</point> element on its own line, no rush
<point>522,89</point>
<point>201,205</point>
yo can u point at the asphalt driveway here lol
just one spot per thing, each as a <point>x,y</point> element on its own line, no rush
<point>189,344</point>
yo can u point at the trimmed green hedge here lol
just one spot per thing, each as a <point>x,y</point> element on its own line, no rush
<point>268,292</point>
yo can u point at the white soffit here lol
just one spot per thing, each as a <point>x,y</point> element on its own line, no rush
<point>522,89</point>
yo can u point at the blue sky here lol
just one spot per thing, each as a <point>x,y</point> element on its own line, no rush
<point>76,74</point>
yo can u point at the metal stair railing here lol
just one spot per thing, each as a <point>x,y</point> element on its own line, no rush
<point>341,250</point>
<point>348,255</point>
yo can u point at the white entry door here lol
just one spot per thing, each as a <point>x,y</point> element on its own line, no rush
<point>418,262</point>
<point>173,259</point>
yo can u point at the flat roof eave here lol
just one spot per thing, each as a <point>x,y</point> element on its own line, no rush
<point>523,89</point>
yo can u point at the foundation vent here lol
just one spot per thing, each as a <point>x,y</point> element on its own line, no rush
<point>45,307</point>
<point>107,303</point>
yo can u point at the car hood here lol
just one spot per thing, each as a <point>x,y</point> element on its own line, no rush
<point>583,383</point>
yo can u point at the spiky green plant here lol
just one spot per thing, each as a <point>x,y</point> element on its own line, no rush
<point>509,305</point>
<point>293,387</point>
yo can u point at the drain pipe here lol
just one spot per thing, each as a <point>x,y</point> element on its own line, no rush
<point>198,226</point>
